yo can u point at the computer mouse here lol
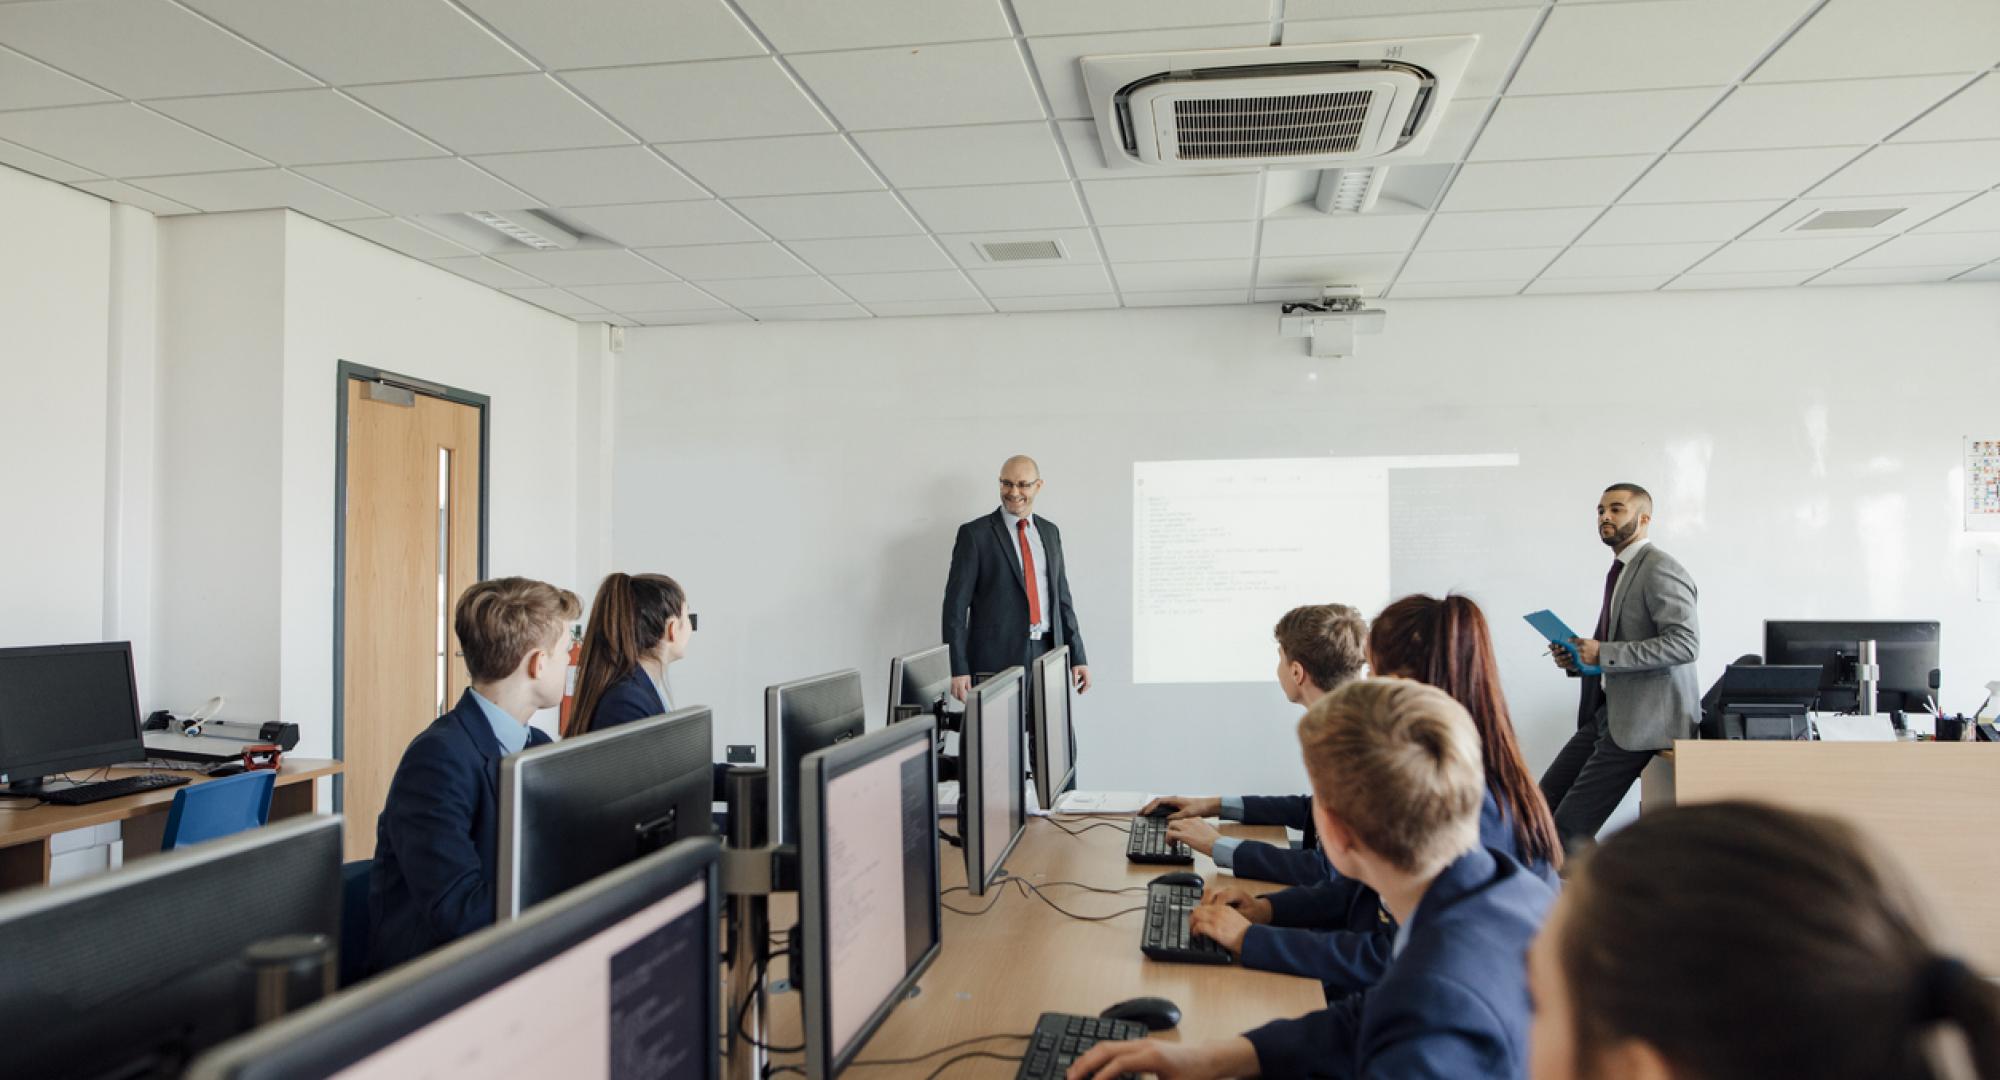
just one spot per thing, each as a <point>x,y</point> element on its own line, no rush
<point>1178,877</point>
<point>1163,810</point>
<point>1158,1014</point>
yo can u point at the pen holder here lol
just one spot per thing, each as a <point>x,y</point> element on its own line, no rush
<point>1953,729</point>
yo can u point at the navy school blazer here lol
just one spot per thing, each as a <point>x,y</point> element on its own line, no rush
<point>1454,1004</point>
<point>635,698</point>
<point>436,842</point>
<point>1302,865</point>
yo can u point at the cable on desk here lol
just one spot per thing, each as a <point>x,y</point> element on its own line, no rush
<point>1093,825</point>
<point>770,1071</point>
<point>939,1071</point>
<point>743,1013</point>
<point>936,1052</point>
<point>1027,888</point>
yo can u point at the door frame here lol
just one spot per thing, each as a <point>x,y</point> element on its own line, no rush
<point>345,373</point>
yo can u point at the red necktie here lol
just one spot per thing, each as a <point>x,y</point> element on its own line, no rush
<point>1604,613</point>
<point>1028,571</point>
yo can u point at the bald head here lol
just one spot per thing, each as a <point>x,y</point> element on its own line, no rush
<point>1021,461</point>
<point>1020,480</point>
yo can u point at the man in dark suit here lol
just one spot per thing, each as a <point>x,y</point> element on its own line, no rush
<point>1006,600</point>
<point>1647,640</point>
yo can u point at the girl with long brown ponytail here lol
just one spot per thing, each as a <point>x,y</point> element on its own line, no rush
<point>639,626</point>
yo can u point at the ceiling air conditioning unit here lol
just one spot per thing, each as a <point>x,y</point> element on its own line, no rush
<point>1296,106</point>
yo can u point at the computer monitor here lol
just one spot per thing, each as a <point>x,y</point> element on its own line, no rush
<point>590,804</point>
<point>65,707</point>
<point>868,904</point>
<point>133,972</point>
<point>614,979</point>
<point>990,814</point>
<point>918,682</point>
<point>1054,740</point>
<point>803,717</point>
<point>1906,653</point>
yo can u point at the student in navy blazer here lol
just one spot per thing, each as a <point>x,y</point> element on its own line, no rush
<point>1398,781</point>
<point>435,842</point>
<point>639,626</point>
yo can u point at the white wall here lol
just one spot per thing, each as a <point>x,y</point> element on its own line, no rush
<point>803,480</point>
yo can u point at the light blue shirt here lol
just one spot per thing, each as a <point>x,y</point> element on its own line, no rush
<point>512,734</point>
<point>1402,939</point>
<point>660,688</point>
<point>1224,853</point>
<point>1041,567</point>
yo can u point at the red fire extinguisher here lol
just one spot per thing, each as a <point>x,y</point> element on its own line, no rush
<point>575,665</point>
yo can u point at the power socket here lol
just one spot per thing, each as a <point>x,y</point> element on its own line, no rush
<point>741,754</point>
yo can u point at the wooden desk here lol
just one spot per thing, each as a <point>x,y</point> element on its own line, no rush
<point>1933,806</point>
<point>25,833</point>
<point>997,972</point>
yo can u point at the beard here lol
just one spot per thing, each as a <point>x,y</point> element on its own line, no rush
<point>1619,537</point>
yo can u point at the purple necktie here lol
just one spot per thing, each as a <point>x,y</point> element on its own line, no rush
<point>1604,613</point>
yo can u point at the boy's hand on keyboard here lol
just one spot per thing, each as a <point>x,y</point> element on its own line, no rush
<point>1168,1061</point>
<point>1221,924</point>
<point>1195,832</point>
<point>1253,908</point>
<point>1183,806</point>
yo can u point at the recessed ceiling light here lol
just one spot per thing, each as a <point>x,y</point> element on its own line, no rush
<point>527,227</point>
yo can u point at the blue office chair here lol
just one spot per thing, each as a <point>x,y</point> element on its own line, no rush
<point>354,921</point>
<point>219,808</point>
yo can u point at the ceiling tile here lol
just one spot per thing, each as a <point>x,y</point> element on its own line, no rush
<point>999,206</point>
<point>585,266</point>
<point>1329,269</point>
<point>872,255</point>
<point>1062,77</point>
<point>42,165</point>
<point>556,300</point>
<point>359,41</point>
<point>436,186</point>
<point>648,296</point>
<point>1041,281</point>
<point>809,217</point>
<point>1851,39</point>
<point>1847,113</point>
<point>1624,260</point>
<point>1526,185</point>
<point>931,307</point>
<point>1668,223</point>
<point>742,99</point>
<point>614,32</point>
<point>1737,174</point>
<point>1973,114</point>
<point>301,127</point>
<point>1810,253</point>
<point>258,189</point>
<point>1077,245</point>
<point>1918,167</point>
<point>141,48</point>
<point>1166,200</point>
<point>937,157</point>
<point>923,285</point>
<point>1477,265</point>
<point>796,26</point>
<point>1078,302</point>
<point>410,239</point>
<point>118,191</point>
<point>1899,275</point>
<point>980,82</point>
<point>808,312</point>
<point>1753,279</point>
<point>688,318</point>
<point>1418,290</point>
<point>1070,17</point>
<point>1989,272</point>
<point>1910,209</point>
<point>791,165</point>
<point>1184,276</point>
<point>120,140</point>
<point>1315,233</point>
<point>1639,121</point>
<point>1148,243</point>
<point>1485,229</point>
<point>665,224</point>
<point>1649,45</point>
<point>1933,249</point>
<point>495,115</point>
<point>618,174</point>
<point>1501,36</point>
<point>486,272</point>
<point>1328,9</point>
<point>27,83</point>
<point>1976,215</point>
<point>1187,298</point>
<point>722,262</point>
<point>1642,283</point>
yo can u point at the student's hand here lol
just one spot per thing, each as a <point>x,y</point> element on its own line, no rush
<point>1586,650</point>
<point>1195,832</point>
<point>1254,908</point>
<point>1562,658</point>
<point>1221,923</point>
<point>1082,676</point>
<point>1168,1061</point>
<point>1184,806</point>
<point>961,685</point>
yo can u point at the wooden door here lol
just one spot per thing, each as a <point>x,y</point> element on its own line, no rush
<point>411,548</point>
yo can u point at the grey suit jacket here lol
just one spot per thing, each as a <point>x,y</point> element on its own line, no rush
<point>1650,694</point>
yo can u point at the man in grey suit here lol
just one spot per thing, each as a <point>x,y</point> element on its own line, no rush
<point>1646,642</point>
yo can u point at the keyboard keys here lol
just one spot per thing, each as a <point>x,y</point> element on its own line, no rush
<point>1166,935</point>
<point>1148,843</point>
<point>1062,1038</point>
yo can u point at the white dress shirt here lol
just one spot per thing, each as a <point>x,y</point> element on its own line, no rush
<point>1041,567</point>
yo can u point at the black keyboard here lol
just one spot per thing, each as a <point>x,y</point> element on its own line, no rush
<point>1149,844</point>
<point>1165,935</point>
<point>1061,1038</point>
<point>110,789</point>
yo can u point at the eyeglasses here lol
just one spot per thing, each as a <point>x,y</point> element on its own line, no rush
<point>694,621</point>
<point>1025,485</point>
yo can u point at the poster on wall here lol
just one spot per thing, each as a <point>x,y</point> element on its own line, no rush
<point>1982,485</point>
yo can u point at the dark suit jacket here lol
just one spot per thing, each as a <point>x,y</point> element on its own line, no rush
<point>634,698</point>
<point>1453,1005</point>
<point>986,578</point>
<point>1302,865</point>
<point>436,842</point>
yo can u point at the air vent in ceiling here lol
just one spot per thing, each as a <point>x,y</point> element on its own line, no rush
<point>1021,251</point>
<point>1290,105</point>
<point>1827,220</point>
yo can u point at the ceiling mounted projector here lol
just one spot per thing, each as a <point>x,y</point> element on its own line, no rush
<point>1332,321</point>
